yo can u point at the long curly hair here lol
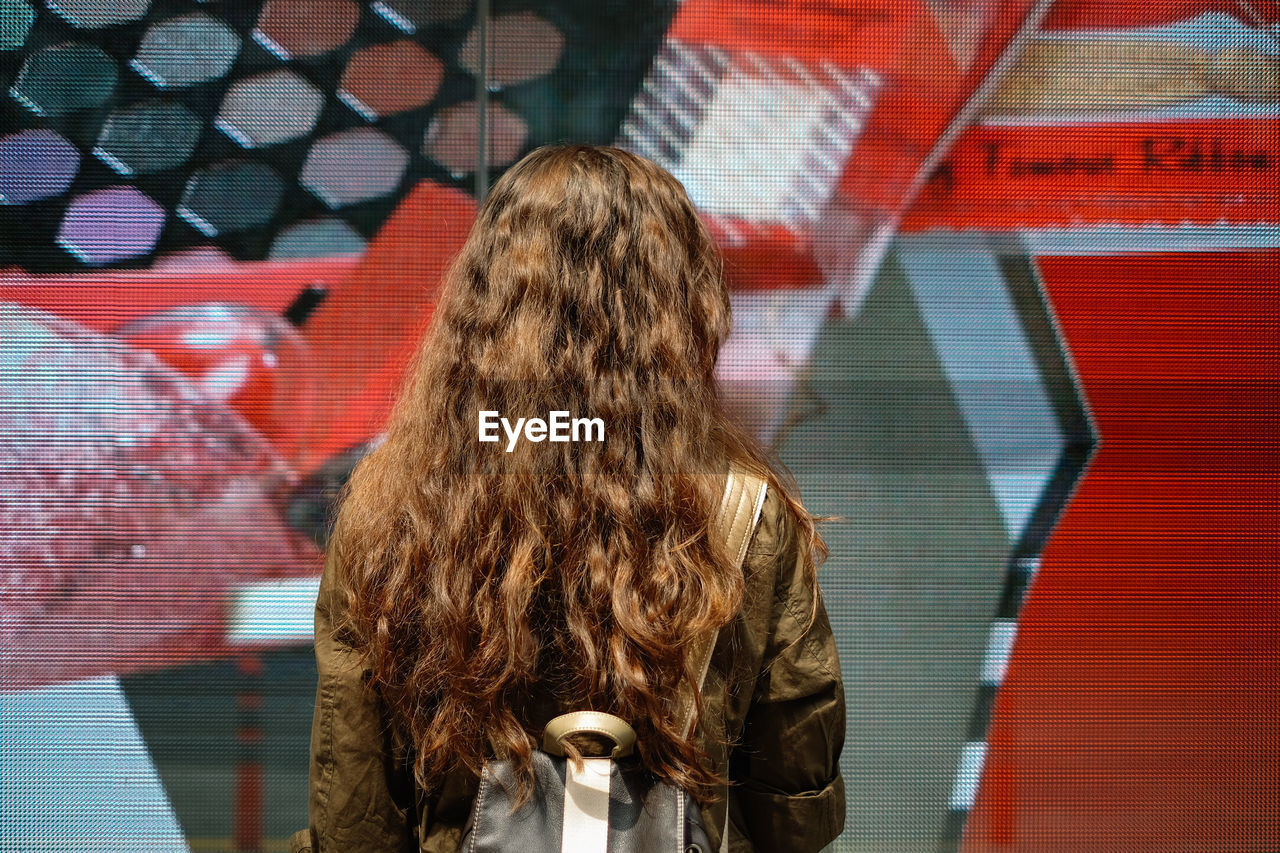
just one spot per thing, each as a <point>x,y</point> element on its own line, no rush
<point>474,576</point>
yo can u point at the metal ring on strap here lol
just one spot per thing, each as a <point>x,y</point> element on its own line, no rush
<point>614,728</point>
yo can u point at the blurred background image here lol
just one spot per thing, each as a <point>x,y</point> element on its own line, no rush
<point>1005,294</point>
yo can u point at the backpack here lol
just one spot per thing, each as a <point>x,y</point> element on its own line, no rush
<point>606,805</point>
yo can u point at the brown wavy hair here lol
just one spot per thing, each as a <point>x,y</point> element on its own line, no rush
<point>476,578</point>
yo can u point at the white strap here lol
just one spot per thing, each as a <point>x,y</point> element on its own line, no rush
<point>585,828</point>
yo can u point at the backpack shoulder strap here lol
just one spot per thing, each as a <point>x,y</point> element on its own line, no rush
<point>744,494</point>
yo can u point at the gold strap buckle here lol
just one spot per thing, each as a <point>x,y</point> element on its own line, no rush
<point>614,728</point>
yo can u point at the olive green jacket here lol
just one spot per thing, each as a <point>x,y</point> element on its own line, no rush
<point>774,720</point>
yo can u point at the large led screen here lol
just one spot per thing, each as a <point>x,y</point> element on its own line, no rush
<point>1003,276</point>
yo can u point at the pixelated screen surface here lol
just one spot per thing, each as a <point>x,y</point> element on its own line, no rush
<point>1003,286</point>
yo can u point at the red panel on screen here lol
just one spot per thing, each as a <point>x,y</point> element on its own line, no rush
<point>368,326</point>
<point>1205,172</point>
<point>1107,14</point>
<point>856,35</point>
<point>1138,713</point>
<point>104,300</point>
